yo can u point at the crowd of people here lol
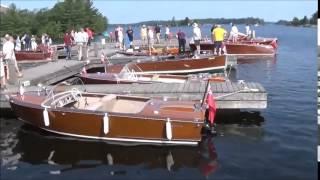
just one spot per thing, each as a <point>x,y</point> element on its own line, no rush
<point>81,38</point>
<point>151,35</point>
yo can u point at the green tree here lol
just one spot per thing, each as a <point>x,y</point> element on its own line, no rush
<point>295,21</point>
<point>304,20</point>
<point>64,16</point>
<point>314,17</point>
<point>173,21</point>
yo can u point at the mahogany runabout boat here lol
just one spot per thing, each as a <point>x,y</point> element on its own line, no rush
<point>42,53</point>
<point>154,52</point>
<point>110,117</point>
<point>262,47</point>
<point>175,66</point>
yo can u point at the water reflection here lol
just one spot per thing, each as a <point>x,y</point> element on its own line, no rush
<point>39,147</point>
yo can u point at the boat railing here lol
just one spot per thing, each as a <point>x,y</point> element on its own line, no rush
<point>128,74</point>
<point>65,87</point>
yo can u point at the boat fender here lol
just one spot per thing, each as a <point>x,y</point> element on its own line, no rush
<point>168,129</point>
<point>46,117</point>
<point>106,123</point>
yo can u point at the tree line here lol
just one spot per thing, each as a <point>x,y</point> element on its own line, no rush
<point>187,21</point>
<point>301,22</point>
<point>64,16</point>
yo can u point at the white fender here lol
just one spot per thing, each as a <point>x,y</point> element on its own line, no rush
<point>106,123</point>
<point>46,117</point>
<point>168,129</point>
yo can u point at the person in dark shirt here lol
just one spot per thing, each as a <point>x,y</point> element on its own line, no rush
<point>68,39</point>
<point>157,31</point>
<point>182,41</point>
<point>130,36</point>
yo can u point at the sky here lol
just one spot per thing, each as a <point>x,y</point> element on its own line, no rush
<point>133,11</point>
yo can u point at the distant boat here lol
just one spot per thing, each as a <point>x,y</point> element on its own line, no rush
<point>41,54</point>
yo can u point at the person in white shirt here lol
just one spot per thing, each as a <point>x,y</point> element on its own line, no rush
<point>120,37</point>
<point>150,37</point>
<point>196,39</point>
<point>2,72</point>
<point>167,33</point>
<point>33,43</point>
<point>80,40</point>
<point>247,30</point>
<point>234,33</point>
<point>18,44</point>
<point>8,54</point>
<point>143,34</point>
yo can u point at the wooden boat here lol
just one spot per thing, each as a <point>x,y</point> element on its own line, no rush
<point>176,66</point>
<point>244,47</point>
<point>154,52</point>
<point>129,78</point>
<point>42,53</point>
<point>109,117</point>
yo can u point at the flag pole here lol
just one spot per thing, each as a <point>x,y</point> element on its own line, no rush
<point>205,93</point>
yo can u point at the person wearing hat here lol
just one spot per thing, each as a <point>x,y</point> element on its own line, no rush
<point>196,39</point>
<point>143,34</point>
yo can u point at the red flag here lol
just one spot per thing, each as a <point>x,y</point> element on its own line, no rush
<point>84,71</point>
<point>211,105</point>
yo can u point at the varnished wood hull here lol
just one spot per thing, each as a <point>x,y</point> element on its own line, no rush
<point>32,55</point>
<point>108,78</point>
<point>241,48</point>
<point>144,128</point>
<point>181,66</point>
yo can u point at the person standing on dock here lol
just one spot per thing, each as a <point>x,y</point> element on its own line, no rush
<point>80,39</point>
<point>143,34</point>
<point>18,44</point>
<point>218,35</point>
<point>9,56</point>
<point>150,39</point>
<point>89,33</point>
<point>130,36</point>
<point>120,37</point>
<point>181,41</point>
<point>27,41</point>
<point>67,39</point>
<point>167,33</point>
<point>248,30</point>
<point>34,44</point>
<point>196,39</point>
<point>3,67</point>
<point>157,31</point>
<point>234,33</point>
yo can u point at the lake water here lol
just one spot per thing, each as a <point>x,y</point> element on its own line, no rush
<point>277,143</point>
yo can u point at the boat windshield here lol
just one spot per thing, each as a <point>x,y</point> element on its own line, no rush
<point>75,85</point>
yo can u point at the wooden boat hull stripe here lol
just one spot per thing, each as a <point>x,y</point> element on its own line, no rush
<point>121,139</point>
<point>182,71</point>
